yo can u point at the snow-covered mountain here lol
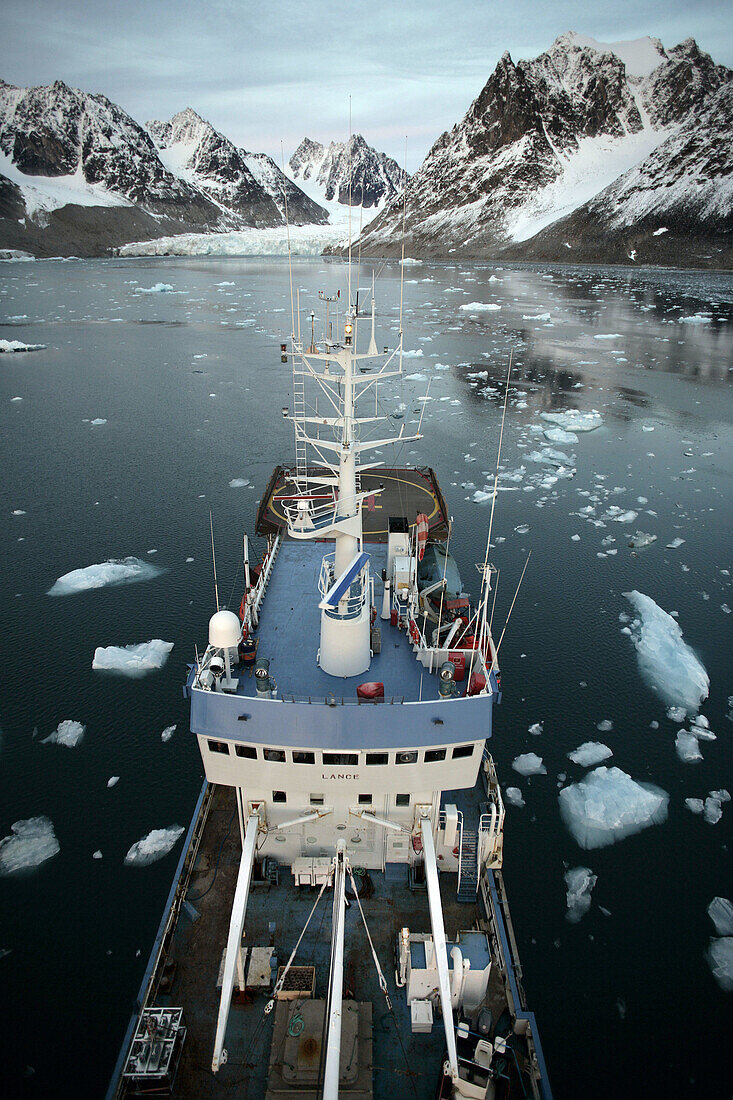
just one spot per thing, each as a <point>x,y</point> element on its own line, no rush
<point>248,184</point>
<point>78,176</point>
<point>584,153</point>
<point>348,169</point>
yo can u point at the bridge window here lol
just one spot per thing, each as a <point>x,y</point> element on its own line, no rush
<point>218,746</point>
<point>433,755</point>
<point>304,757</point>
<point>462,750</point>
<point>402,800</point>
<point>365,800</point>
<point>276,755</point>
<point>248,751</point>
<point>341,759</point>
<point>279,796</point>
<point>377,758</point>
<point>316,800</point>
<point>407,757</point>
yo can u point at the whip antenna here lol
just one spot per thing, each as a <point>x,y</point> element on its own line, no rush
<point>213,559</point>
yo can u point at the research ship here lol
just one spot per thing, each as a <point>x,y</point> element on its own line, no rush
<point>338,924</point>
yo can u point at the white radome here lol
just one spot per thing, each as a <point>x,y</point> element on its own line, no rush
<point>225,630</point>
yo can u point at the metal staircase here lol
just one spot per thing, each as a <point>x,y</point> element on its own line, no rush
<point>468,867</point>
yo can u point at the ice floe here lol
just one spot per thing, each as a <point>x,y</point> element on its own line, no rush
<point>158,288</point>
<point>479,307</point>
<point>153,846</point>
<point>574,420</point>
<point>536,728</point>
<point>608,805</point>
<point>666,662</point>
<point>640,540</point>
<point>590,753</point>
<point>559,435</point>
<point>688,747</point>
<point>106,573</point>
<point>113,781</point>
<point>513,796</point>
<point>68,733</point>
<point>31,843</point>
<point>18,345</point>
<point>529,763</point>
<point>720,959</point>
<point>168,733</point>
<point>579,881</point>
<point>132,660</point>
<point>696,319</point>
<point>239,483</point>
<point>720,912</point>
<point>413,353</point>
<point>712,810</point>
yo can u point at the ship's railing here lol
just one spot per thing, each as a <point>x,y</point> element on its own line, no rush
<point>323,515</point>
<point>441,825</point>
<point>334,701</point>
<point>256,594</point>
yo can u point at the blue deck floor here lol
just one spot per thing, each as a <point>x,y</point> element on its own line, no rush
<point>289,633</point>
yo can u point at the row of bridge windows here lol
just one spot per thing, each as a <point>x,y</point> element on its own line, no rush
<point>341,759</point>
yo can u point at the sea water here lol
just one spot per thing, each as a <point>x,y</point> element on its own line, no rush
<point>155,399</point>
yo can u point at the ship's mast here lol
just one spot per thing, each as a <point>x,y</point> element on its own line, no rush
<point>344,582</point>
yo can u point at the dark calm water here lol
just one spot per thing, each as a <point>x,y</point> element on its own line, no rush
<point>191,386</point>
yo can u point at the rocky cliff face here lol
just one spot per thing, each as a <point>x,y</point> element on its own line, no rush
<point>248,184</point>
<point>78,176</point>
<point>347,171</point>
<point>546,141</point>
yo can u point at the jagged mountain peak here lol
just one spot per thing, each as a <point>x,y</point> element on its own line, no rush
<point>350,171</point>
<point>640,56</point>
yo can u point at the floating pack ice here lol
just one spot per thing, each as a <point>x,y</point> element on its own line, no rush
<point>154,846</point>
<point>590,753</point>
<point>132,660</point>
<point>514,797</point>
<point>168,733</point>
<point>529,763</point>
<point>608,805</point>
<point>688,747</point>
<point>239,483</point>
<point>720,912</point>
<point>106,573</point>
<point>559,435</point>
<point>18,345</point>
<point>158,288</point>
<point>575,420</point>
<point>32,842</point>
<point>579,881</point>
<point>665,660</point>
<point>640,539</point>
<point>479,307</point>
<point>720,959</point>
<point>68,733</point>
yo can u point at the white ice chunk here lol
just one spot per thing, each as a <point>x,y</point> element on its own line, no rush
<point>675,544</point>
<point>536,728</point>
<point>413,353</point>
<point>239,483</point>
<point>113,781</point>
<point>665,660</point>
<point>640,539</point>
<point>514,797</point>
<point>168,733</point>
<point>575,420</point>
<point>579,881</point>
<point>713,808</point>
<point>590,753</point>
<point>115,571</point>
<point>416,377</point>
<point>559,435</point>
<point>720,958</point>
<point>529,763</point>
<point>608,805</point>
<point>132,660</point>
<point>676,714</point>
<point>98,420</point>
<point>31,843</point>
<point>97,854</point>
<point>18,345</point>
<point>688,747</point>
<point>68,733</point>
<point>696,805</point>
<point>157,288</point>
<point>479,307</point>
<point>153,846</point>
<point>605,726</point>
<point>695,319</point>
<point>720,912</point>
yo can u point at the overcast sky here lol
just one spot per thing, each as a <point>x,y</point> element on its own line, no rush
<point>270,72</point>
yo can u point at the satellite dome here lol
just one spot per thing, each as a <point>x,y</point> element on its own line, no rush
<point>225,630</point>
